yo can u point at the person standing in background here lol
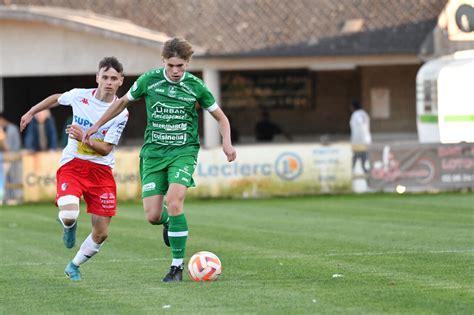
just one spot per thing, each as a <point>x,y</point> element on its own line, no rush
<point>266,129</point>
<point>360,134</point>
<point>10,141</point>
<point>41,134</point>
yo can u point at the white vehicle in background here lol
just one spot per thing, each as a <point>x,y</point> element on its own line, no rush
<point>445,99</point>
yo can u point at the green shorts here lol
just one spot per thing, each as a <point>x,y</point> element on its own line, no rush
<point>157,173</point>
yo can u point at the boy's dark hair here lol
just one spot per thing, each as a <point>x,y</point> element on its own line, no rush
<point>111,62</point>
<point>177,47</point>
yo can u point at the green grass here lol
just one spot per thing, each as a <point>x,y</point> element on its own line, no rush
<point>398,254</point>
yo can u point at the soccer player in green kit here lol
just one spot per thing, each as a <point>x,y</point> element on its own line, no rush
<point>171,142</point>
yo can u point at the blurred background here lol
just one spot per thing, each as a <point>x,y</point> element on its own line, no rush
<point>295,65</point>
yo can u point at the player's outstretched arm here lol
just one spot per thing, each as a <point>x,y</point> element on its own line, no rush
<point>116,108</point>
<point>224,128</point>
<point>49,102</point>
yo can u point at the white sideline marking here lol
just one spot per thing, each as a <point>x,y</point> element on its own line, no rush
<point>448,251</point>
<point>26,263</point>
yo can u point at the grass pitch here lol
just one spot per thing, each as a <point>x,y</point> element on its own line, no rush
<point>356,254</point>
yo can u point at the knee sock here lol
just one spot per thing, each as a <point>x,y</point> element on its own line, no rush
<point>88,249</point>
<point>164,216</point>
<point>178,234</point>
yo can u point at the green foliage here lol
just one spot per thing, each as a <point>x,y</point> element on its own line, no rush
<point>397,254</point>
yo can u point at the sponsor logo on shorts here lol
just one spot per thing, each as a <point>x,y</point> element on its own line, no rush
<point>107,196</point>
<point>64,186</point>
<point>107,200</point>
<point>148,187</point>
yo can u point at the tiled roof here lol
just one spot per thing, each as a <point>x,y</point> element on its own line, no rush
<point>279,28</point>
<point>86,21</point>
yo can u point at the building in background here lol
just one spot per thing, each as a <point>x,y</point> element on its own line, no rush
<point>303,60</point>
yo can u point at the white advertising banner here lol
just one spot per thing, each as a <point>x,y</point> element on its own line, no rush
<point>270,170</point>
<point>39,175</point>
<point>260,170</point>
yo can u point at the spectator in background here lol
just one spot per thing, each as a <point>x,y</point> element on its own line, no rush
<point>266,130</point>
<point>9,136</point>
<point>10,141</point>
<point>360,134</point>
<point>41,134</point>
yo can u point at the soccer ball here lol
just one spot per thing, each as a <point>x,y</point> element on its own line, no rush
<point>204,266</point>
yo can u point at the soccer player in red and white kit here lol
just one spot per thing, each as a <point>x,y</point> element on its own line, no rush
<point>86,169</point>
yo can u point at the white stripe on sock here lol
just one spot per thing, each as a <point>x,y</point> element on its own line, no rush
<point>178,234</point>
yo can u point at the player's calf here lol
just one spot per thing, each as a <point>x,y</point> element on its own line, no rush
<point>68,214</point>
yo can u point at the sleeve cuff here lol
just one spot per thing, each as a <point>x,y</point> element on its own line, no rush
<point>130,97</point>
<point>212,108</point>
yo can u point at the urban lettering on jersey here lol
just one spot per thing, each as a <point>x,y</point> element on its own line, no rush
<point>168,110</point>
<point>167,113</point>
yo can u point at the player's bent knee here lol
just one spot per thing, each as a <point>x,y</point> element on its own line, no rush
<point>175,207</point>
<point>70,202</point>
<point>153,216</point>
<point>153,219</point>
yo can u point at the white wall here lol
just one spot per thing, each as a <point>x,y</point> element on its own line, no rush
<point>32,48</point>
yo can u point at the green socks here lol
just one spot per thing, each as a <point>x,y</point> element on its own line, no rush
<point>178,234</point>
<point>164,216</point>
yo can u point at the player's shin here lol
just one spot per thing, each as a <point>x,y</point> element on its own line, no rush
<point>88,249</point>
<point>178,235</point>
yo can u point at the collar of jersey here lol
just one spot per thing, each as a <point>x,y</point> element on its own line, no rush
<point>171,81</point>
<point>93,95</point>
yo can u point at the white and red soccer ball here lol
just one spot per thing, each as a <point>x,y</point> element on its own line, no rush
<point>204,266</point>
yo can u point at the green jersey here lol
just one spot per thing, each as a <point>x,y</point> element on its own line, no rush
<point>172,118</point>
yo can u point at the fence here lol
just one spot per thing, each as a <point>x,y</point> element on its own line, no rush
<point>269,170</point>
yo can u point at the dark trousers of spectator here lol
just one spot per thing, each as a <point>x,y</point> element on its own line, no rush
<point>362,156</point>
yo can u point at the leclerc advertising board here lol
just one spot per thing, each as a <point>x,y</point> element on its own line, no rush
<point>260,170</point>
<point>274,170</point>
